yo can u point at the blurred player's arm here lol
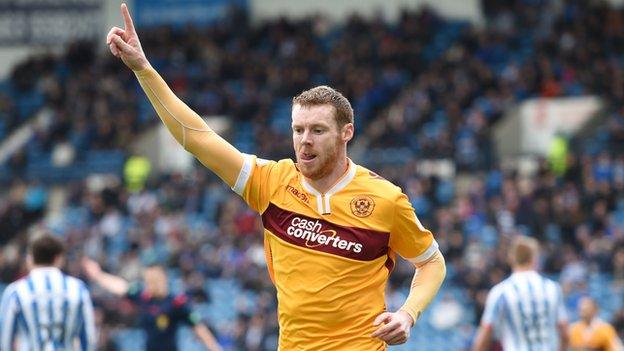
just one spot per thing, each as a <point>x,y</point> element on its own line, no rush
<point>183,309</point>
<point>186,126</point>
<point>112,283</point>
<point>562,321</point>
<point>614,342</point>
<point>492,313</point>
<point>8,314</point>
<point>206,337</point>
<point>88,337</point>
<point>562,330</point>
<point>483,340</point>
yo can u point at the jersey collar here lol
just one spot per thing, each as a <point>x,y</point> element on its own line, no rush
<point>322,200</point>
<point>43,270</point>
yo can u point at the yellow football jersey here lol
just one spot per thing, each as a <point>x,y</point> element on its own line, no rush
<point>597,336</point>
<point>330,255</point>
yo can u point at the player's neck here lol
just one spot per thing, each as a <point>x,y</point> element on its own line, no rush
<point>36,266</point>
<point>324,184</point>
<point>523,268</point>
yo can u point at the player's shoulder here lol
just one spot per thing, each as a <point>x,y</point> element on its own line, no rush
<point>282,166</point>
<point>73,282</point>
<point>180,299</point>
<point>603,325</point>
<point>286,164</point>
<point>282,169</point>
<point>576,327</point>
<point>499,289</point>
<point>376,183</point>
<point>13,287</point>
<point>550,283</point>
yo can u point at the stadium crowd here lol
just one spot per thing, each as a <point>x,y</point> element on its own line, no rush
<point>433,85</point>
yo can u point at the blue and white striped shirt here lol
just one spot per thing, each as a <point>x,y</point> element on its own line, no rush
<point>524,311</point>
<point>48,311</point>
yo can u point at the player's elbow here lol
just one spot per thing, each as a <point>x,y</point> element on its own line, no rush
<point>194,141</point>
<point>443,266</point>
<point>438,265</point>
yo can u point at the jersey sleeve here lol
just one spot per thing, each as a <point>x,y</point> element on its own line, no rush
<point>255,182</point>
<point>9,309</point>
<point>493,307</point>
<point>408,237</point>
<point>88,338</point>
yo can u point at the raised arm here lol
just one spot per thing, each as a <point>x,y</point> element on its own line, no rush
<point>186,126</point>
<point>112,283</point>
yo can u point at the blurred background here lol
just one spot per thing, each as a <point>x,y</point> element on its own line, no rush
<point>497,118</point>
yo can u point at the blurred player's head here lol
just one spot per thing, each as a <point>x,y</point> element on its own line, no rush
<point>155,279</point>
<point>322,123</point>
<point>587,309</point>
<point>523,253</point>
<point>46,251</point>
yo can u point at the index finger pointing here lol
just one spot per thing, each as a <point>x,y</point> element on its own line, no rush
<point>127,19</point>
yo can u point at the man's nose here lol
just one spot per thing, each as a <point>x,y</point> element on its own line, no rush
<point>306,138</point>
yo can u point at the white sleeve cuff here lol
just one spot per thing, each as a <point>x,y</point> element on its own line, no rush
<point>244,174</point>
<point>425,255</point>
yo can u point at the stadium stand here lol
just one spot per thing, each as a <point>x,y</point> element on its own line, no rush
<point>425,87</point>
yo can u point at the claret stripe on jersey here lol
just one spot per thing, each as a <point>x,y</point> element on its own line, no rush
<point>321,235</point>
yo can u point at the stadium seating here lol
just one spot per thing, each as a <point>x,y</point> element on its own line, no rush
<point>455,87</point>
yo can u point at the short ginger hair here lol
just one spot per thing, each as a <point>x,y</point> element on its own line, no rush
<point>325,95</point>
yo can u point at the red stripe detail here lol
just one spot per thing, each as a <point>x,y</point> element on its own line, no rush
<point>322,235</point>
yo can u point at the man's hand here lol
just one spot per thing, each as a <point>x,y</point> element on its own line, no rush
<point>114,284</point>
<point>396,327</point>
<point>91,268</point>
<point>125,44</point>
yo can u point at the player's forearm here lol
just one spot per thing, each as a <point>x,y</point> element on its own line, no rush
<point>204,334</point>
<point>112,283</point>
<point>189,129</point>
<point>172,111</point>
<point>563,336</point>
<point>483,339</point>
<point>425,285</point>
<point>616,343</point>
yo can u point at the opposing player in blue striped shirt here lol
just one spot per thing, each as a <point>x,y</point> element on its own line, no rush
<point>526,310</point>
<point>46,310</point>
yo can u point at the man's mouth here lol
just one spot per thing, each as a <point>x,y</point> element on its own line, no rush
<point>304,156</point>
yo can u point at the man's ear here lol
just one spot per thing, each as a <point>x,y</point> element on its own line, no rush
<point>347,132</point>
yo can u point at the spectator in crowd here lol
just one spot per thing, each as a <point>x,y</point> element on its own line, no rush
<point>161,312</point>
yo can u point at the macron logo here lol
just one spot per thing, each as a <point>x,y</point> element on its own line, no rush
<point>312,232</point>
